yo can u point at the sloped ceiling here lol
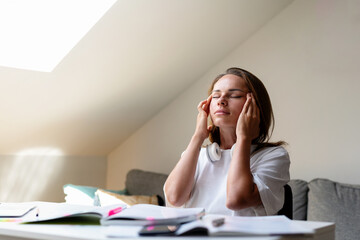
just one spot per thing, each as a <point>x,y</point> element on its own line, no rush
<point>139,57</point>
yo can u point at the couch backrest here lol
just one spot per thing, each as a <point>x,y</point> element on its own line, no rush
<point>331,201</point>
<point>139,182</point>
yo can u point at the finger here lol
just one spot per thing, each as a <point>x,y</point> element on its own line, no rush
<point>207,105</point>
<point>251,107</point>
<point>209,99</point>
<point>254,106</point>
<point>246,105</point>
<point>209,128</point>
<point>201,105</point>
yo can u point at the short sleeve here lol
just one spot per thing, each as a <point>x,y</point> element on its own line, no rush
<point>270,169</point>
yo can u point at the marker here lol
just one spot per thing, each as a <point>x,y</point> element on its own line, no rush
<point>115,211</point>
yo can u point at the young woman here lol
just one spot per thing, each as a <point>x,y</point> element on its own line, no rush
<point>241,172</point>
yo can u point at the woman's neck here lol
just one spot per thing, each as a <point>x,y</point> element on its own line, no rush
<point>227,138</point>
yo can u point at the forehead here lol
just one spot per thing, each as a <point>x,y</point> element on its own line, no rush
<point>230,81</point>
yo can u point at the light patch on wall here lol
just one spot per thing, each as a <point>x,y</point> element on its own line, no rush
<point>29,174</point>
<point>38,34</point>
<point>40,152</point>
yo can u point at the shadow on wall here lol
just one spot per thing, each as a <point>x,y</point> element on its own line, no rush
<point>28,174</point>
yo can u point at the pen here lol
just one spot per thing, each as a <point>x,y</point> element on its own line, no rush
<point>37,211</point>
<point>218,222</point>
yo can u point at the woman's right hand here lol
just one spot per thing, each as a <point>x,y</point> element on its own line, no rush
<point>202,130</point>
<point>180,181</point>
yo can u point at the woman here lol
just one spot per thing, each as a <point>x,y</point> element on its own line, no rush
<point>248,179</point>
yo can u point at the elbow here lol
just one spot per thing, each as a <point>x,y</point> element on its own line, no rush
<point>237,203</point>
<point>173,198</point>
<point>173,201</point>
<point>243,197</point>
<point>242,200</point>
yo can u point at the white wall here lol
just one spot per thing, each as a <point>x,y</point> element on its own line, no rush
<point>308,57</point>
<point>41,177</point>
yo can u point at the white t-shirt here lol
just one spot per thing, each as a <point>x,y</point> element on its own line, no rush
<point>270,170</point>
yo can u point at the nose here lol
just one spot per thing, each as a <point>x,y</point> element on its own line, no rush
<point>222,101</point>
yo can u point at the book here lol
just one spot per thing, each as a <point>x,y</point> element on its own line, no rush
<point>64,213</point>
<point>15,210</point>
<point>147,214</point>
<point>243,226</point>
<point>118,214</point>
<point>220,225</point>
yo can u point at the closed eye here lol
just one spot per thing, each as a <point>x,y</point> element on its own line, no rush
<point>232,96</point>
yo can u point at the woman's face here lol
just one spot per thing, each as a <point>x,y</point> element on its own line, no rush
<point>228,99</point>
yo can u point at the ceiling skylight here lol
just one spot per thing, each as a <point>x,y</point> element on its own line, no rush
<point>38,34</point>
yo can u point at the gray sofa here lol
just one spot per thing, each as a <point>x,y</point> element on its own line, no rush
<point>329,201</point>
<point>317,200</point>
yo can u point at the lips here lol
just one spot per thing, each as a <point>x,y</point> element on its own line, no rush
<point>221,112</point>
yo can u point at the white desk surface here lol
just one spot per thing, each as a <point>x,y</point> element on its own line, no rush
<point>323,230</point>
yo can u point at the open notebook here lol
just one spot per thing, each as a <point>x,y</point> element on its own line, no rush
<point>147,214</point>
<point>119,214</point>
<point>243,226</point>
<point>15,210</point>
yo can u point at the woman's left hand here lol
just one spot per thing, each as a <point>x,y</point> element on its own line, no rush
<point>247,127</point>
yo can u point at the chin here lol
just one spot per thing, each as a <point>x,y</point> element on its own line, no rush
<point>223,124</point>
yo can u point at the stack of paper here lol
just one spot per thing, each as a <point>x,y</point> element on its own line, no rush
<point>232,226</point>
<point>129,221</point>
<point>148,214</point>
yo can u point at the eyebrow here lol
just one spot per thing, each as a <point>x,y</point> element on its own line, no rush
<point>232,90</point>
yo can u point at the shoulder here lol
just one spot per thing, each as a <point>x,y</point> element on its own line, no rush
<point>271,161</point>
<point>277,150</point>
<point>277,153</point>
<point>202,151</point>
<point>203,158</point>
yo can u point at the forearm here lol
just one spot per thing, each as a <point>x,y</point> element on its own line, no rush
<point>179,184</point>
<point>242,192</point>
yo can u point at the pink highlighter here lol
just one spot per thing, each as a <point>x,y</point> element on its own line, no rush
<point>115,211</point>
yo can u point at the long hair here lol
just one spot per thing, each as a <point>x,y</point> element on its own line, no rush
<point>267,120</point>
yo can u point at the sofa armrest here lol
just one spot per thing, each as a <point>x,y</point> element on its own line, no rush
<point>300,191</point>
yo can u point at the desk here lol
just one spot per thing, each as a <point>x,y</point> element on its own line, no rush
<point>323,231</point>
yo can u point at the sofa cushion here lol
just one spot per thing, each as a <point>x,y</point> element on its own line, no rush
<point>84,195</point>
<point>139,182</point>
<point>107,198</point>
<point>300,198</point>
<point>335,202</point>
